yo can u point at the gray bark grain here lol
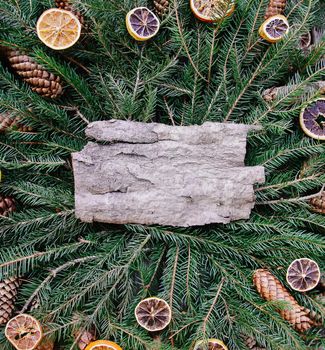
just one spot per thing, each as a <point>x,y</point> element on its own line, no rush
<point>167,175</point>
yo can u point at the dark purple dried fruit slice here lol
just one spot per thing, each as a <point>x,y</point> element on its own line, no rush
<point>142,24</point>
<point>303,274</point>
<point>153,314</point>
<point>210,344</point>
<point>305,41</point>
<point>274,28</point>
<point>312,119</point>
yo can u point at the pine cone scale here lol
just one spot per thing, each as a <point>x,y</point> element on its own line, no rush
<point>40,80</point>
<point>271,289</point>
<point>8,294</point>
<point>275,7</point>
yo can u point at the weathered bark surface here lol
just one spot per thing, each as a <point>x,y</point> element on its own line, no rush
<point>159,174</point>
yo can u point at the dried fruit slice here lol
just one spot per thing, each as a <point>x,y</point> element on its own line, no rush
<point>212,10</point>
<point>312,119</point>
<point>24,332</point>
<point>153,314</point>
<point>142,24</point>
<point>303,274</point>
<point>103,345</point>
<point>210,344</point>
<point>274,28</point>
<point>58,29</point>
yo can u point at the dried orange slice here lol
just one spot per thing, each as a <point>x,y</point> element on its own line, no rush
<point>210,344</point>
<point>274,28</point>
<point>58,29</point>
<point>24,332</point>
<point>312,119</point>
<point>153,314</point>
<point>142,24</point>
<point>103,345</point>
<point>303,274</point>
<point>212,10</point>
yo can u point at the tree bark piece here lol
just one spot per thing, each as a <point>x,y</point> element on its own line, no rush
<point>169,175</point>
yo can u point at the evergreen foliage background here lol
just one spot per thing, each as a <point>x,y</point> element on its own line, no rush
<point>189,73</point>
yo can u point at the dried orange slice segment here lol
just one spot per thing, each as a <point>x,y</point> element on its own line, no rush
<point>210,344</point>
<point>58,29</point>
<point>274,28</point>
<point>103,345</point>
<point>153,314</point>
<point>303,274</point>
<point>24,332</point>
<point>312,119</point>
<point>142,24</point>
<point>212,10</point>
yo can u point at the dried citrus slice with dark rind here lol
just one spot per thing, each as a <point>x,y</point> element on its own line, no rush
<point>303,274</point>
<point>212,10</point>
<point>58,29</point>
<point>210,344</point>
<point>312,119</point>
<point>24,332</point>
<point>142,24</point>
<point>153,314</point>
<point>274,28</point>
<point>103,345</point>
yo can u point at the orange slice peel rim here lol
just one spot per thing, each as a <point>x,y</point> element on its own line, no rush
<point>312,286</point>
<point>208,341</point>
<point>266,36</point>
<point>212,18</point>
<point>19,323</point>
<point>55,25</point>
<point>132,31</point>
<point>103,344</point>
<point>302,123</point>
<point>158,300</point>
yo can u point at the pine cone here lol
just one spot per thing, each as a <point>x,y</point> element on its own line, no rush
<point>318,203</point>
<point>66,5</point>
<point>271,289</point>
<point>276,7</point>
<point>84,338</point>
<point>43,82</point>
<point>46,344</point>
<point>8,294</point>
<point>7,122</point>
<point>251,343</point>
<point>161,6</point>
<point>7,205</point>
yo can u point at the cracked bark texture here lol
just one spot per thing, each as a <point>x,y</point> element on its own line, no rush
<point>168,175</point>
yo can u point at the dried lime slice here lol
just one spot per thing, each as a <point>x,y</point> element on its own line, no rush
<point>210,344</point>
<point>142,24</point>
<point>312,119</point>
<point>274,28</point>
<point>303,274</point>
<point>153,314</point>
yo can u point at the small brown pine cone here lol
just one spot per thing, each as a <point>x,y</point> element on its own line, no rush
<point>45,344</point>
<point>271,289</point>
<point>8,294</point>
<point>7,206</point>
<point>251,344</point>
<point>161,6</point>
<point>318,204</point>
<point>41,81</point>
<point>66,5</point>
<point>275,7</point>
<point>84,338</point>
<point>7,122</point>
